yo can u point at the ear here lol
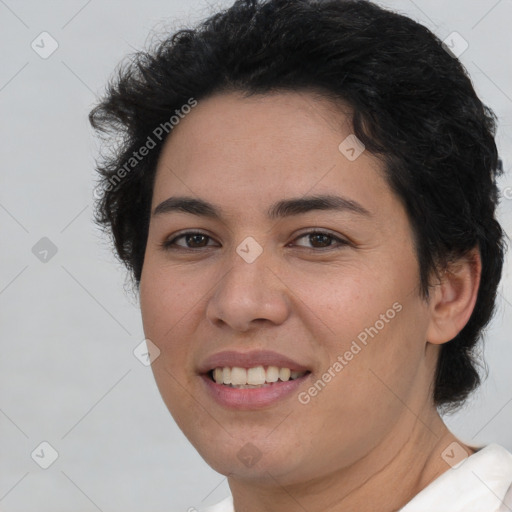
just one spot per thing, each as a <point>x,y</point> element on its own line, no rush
<point>452,300</point>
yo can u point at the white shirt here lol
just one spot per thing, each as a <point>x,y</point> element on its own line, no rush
<point>481,483</point>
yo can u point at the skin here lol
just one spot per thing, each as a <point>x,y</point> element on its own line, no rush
<point>371,439</point>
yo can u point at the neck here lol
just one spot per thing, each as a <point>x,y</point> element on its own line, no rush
<point>385,479</point>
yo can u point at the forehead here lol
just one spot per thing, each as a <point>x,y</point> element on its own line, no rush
<point>253,151</point>
<point>280,117</point>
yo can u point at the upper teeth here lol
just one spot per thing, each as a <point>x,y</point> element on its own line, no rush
<point>255,376</point>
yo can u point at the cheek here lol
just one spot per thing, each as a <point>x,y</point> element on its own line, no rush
<point>167,306</point>
<point>167,299</point>
<point>375,321</point>
<point>338,300</point>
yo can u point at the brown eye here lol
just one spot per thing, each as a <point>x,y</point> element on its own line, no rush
<point>196,240</point>
<point>321,240</point>
<point>192,240</point>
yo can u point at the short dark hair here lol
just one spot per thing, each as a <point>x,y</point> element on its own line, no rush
<point>413,105</point>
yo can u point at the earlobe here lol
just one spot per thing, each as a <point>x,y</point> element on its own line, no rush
<point>453,299</point>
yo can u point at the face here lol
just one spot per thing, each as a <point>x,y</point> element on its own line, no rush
<point>329,288</point>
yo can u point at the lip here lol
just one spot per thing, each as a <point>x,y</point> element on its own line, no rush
<point>250,359</point>
<point>251,398</point>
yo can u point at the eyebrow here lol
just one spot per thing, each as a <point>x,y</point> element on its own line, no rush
<point>280,209</point>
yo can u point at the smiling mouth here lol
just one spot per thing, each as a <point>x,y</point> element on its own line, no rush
<point>256,377</point>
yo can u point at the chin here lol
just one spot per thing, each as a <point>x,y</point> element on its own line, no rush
<point>256,460</point>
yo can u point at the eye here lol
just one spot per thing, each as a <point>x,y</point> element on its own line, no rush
<point>192,240</point>
<point>196,240</point>
<point>322,240</point>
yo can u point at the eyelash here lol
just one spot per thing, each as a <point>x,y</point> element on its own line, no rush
<point>170,244</point>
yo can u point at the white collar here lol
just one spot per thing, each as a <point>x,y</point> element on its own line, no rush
<point>481,483</point>
<point>478,484</point>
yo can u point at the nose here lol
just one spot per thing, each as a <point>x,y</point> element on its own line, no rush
<point>249,295</point>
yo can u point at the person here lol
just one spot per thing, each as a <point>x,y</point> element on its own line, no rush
<point>305,194</point>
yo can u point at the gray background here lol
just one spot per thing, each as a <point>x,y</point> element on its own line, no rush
<point>69,325</point>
